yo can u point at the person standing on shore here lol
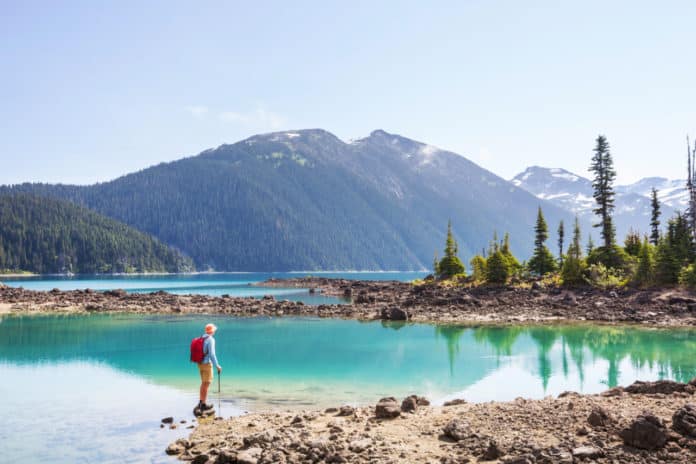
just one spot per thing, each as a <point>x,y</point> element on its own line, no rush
<point>205,367</point>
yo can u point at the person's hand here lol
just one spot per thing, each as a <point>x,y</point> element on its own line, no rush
<point>219,369</point>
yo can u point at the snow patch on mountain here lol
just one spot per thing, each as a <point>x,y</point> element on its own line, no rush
<point>632,202</point>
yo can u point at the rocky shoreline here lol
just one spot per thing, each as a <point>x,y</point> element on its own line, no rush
<point>647,422</point>
<point>391,300</point>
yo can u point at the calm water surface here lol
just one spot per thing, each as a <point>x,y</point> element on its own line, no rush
<point>234,284</point>
<point>93,388</point>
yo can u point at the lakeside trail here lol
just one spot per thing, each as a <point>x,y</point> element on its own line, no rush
<point>643,423</point>
<point>391,300</point>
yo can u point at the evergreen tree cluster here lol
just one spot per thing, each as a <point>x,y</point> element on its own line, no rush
<point>53,236</point>
<point>656,259</point>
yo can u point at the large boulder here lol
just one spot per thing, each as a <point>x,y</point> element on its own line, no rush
<point>387,408</point>
<point>412,402</point>
<point>646,432</point>
<point>684,420</point>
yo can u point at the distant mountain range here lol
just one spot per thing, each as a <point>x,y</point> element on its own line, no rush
<point>632,203</point>
<point>305,200</point>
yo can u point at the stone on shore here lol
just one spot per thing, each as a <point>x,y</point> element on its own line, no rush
<point>665,387</point>
<point>394,314</point>
<point>599,417</point>
<point>387,408</point>
<point>412,402</point>
<point>249,456</point>
<point>646,432</point>
<point>457,429</point>
<point>684,420</point>
<point>587,452</point>
<point>346,411</point>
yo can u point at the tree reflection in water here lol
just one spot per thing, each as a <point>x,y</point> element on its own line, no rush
<point>671,352</point>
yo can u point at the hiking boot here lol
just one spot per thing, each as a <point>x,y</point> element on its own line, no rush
<point>205,407</point>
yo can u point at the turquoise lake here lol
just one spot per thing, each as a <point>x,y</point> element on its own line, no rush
<point>93,388</point>
<point>214,284</point>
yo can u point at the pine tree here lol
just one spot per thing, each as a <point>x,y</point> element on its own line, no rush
<point>478,268</point>
<point>436,264</point>
<point>655,219</point>
<point>497,268</point>
<point>603,168</point>
<point>513,263</point>
<point>574,265</point>
<point>450,265</point>
<point>632,243</point>
<point>493,246</point>
<point>645,274</point>
<point>561,236</point>
<point>542,261</point>
<point>675,250</point>
<point>590,245</point>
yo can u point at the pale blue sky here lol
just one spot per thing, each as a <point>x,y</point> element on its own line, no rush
<point>93,90</point>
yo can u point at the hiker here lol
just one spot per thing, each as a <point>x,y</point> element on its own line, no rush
<point>205,367</point>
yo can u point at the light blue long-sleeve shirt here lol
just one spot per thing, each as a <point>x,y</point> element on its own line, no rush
<point>209,351</point>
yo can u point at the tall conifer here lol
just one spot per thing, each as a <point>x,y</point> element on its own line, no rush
<point>655,219</point>
<point>561,236</point>
<point>542,261</point>
<point>603,168</point>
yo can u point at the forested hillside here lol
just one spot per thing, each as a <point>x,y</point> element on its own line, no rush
<point>46,235</point>
<point>306,200</point>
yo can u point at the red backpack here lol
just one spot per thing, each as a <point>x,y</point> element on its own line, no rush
<point>197,353</point>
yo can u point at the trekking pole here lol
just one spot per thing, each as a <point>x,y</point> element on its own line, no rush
<point>219,399</point>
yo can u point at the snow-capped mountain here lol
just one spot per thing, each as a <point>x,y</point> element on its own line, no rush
<point>632,202</point>
<point>670,192</point>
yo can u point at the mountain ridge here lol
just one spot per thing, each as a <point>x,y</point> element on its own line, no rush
<point>305,199</point>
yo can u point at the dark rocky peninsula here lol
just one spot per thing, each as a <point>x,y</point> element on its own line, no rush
<point>370,300</point>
